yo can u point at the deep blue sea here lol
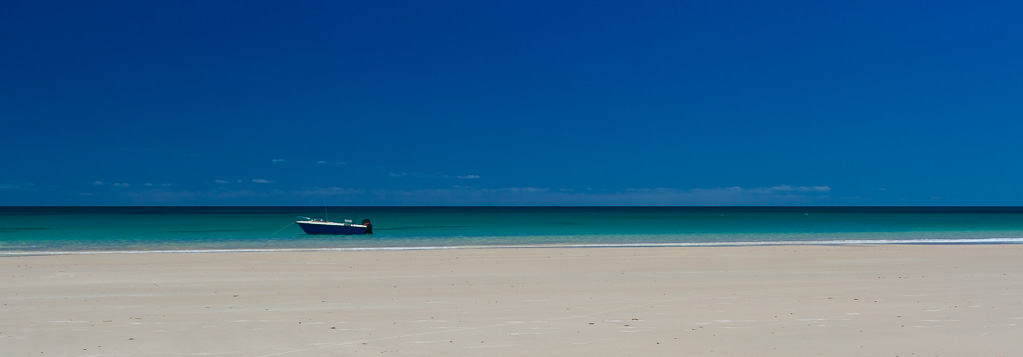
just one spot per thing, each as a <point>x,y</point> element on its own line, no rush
<point>72,230</point>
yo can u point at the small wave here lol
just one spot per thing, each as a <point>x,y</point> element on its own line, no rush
<point>566,246</point>
<point>21,229</point>
<point>415,227</point>
<point>207,231</point>
<point>820,242</point>
<point>239,250</point>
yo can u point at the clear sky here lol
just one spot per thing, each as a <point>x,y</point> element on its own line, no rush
<point>511,103</point>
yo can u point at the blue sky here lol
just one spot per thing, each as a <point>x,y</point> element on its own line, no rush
<point>511,103</point>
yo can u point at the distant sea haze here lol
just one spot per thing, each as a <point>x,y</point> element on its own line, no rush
<point>90,230</point>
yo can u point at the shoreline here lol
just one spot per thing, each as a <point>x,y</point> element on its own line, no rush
<point>730,301</point>
<point>852,242</point>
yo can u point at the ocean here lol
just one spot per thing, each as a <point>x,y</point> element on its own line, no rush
<point>94,230</point>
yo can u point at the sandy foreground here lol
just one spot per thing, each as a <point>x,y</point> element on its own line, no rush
<point>942,300</point>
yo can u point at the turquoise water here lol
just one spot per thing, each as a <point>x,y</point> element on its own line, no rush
<point>35,230</point>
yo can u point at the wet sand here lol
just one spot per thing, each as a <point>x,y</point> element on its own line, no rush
<point>890,300</point>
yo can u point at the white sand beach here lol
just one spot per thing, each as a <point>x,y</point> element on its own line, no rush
<point>890,300</point>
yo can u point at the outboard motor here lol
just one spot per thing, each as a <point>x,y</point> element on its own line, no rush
<point>369,226</point>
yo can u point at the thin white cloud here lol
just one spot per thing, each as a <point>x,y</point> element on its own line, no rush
<point>525,189</point>
<point>159,197</point>
<point>468,195</point>
<point>221,181</point>
<point>421,175</point>
<point>328,191</point>
<point>724,196</point>
<point>113,184</point>
<point>787,188</point>
<point>17,185</point>
<point>236,194</point>
<point>278,160</point>
<point>776,195</point>
<point>306,196</point>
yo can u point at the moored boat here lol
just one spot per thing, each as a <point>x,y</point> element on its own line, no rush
<point>318,225</point>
